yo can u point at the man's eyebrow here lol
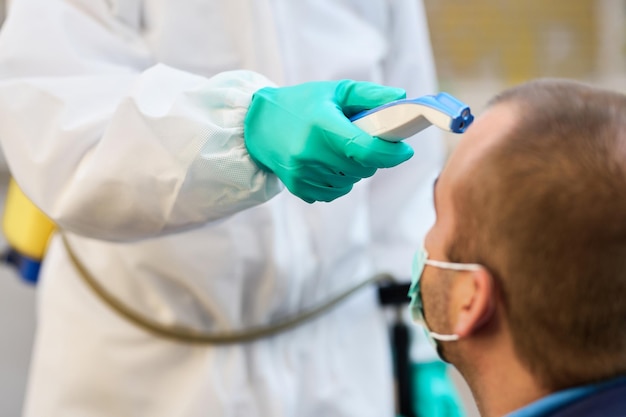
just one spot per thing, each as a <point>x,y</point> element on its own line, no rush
<point>435,192</point>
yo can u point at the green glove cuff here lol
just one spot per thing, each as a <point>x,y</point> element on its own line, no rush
<point>434,392</point>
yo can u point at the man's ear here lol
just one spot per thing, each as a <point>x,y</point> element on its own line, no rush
<point>475,303</point>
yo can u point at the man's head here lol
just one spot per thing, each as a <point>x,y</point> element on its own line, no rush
<point>536,193</point>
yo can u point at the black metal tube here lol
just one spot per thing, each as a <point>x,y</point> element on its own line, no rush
<point>400,345</point>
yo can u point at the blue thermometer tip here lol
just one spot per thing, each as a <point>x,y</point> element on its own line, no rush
<point>403,118</point>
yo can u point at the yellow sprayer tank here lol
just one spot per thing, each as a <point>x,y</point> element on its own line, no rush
<point>27,230</point>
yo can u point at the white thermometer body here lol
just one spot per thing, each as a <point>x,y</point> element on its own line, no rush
<point>401,119</point>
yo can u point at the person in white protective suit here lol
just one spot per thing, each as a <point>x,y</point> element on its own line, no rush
<point>123,120</point>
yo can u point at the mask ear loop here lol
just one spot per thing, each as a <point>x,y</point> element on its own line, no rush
<point>444,337</point>
<point>455,267</point>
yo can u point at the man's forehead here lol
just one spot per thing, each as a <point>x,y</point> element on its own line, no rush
<point>487,131</point>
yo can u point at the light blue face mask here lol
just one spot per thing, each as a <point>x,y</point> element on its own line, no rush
<point>420,260</point>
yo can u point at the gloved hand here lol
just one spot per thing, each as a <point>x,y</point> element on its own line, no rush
<point>301,134</point>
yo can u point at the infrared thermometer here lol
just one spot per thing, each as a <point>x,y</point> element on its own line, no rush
<point>401,119</point>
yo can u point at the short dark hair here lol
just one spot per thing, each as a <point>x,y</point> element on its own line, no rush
<point>545,212</point>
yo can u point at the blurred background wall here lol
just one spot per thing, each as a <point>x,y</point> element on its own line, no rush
<point>483,46</point>
<point>480,46</point>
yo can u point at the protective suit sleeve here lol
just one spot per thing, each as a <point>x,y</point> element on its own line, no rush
<point>110,145</point>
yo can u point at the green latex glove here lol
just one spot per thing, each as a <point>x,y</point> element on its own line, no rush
<point>435,393</point>
<point>301,134</point>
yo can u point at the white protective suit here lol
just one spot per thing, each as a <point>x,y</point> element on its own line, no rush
<point>123,121</point>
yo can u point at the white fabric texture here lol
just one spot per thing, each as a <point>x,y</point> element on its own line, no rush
<point>123,121</point>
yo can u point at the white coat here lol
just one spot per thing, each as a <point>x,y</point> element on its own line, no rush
<point>123,121</point>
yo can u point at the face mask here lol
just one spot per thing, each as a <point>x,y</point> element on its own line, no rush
<point>417,306</point>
